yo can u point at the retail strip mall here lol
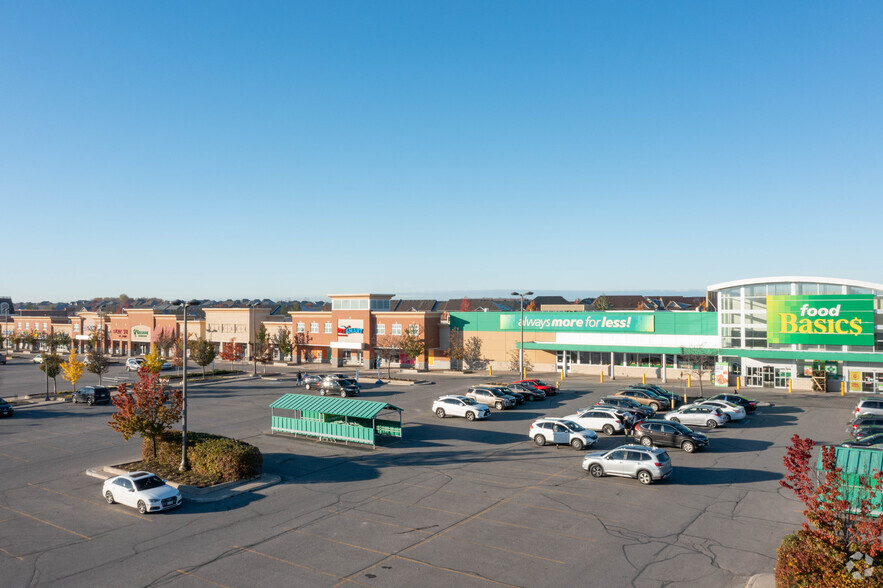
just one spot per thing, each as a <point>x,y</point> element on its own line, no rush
<point>767,332</point>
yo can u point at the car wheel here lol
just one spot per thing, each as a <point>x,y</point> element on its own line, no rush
<point>596,470</point>
<point>440,413</point>
<point>644,477</point>
<point>688,446</point>
<point>675,419</point>
<point>576,444</point>
<point>711,424</point>
<point>499,406</point>
<point>470,416</point>
<point>539,440</point>
<point>322,391</point>
<point>91,401</point>
<point>646,441</point>
<point>142,508</point>
<point>608,429</point>
<point>74,399</point>
<point>108,496</point>
<point>307,386</point>
<point>654,406</point>
<point>343,393</point>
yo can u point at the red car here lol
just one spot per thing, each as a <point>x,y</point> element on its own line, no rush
<point>549,390</point>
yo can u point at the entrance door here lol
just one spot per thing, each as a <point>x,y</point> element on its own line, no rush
<point>769,375</point>
<point>753,377</point>
<point>782,377</point>
<point>560,363</point>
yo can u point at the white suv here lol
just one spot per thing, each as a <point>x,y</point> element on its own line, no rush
<point>133,364</point>
<point>460,406</point>
<point>869,406</point>
<point>549,430</point>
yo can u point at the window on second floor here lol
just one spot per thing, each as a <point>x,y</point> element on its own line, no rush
<point>396,329</point>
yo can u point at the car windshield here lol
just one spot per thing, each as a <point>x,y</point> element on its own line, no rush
<point>681,428</point>
<point>572,426</point>
<point>148,482</point>
<point>663,457</point>
<point>469,401</point>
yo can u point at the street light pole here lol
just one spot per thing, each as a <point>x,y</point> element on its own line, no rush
<point>521,350</point>
<point>185,464</point>
<point>254,359</point>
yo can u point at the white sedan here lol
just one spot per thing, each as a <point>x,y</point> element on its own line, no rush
<point>461,406</point>
<point>142,490</point>
<point>731,410</point>
<point>694,414</point>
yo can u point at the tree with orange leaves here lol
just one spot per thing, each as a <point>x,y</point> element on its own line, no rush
<point>148,410</point>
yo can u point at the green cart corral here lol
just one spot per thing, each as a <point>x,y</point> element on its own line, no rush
<point>856,462</point>
<point>335,419</point>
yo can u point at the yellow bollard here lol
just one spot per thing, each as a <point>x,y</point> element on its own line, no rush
<point>602,377</point>
<point>490,369</point>
<point>689,379</point>
<point>738,381</point>
<point>643,378</point>
<point>562,373</point>
<point>789,385</point>
<point>842,388</point>
<point>524,374</point>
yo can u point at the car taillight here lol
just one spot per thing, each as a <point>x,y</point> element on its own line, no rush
<point>657,464</point>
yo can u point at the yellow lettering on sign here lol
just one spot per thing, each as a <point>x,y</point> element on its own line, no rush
<point>856,325</point>
<point>787,323</point>
<point>805,326</point>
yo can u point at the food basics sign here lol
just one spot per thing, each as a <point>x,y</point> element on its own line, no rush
<point>821,320</point>
<point>573,321</point>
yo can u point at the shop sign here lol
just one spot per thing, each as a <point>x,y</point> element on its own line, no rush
<point>821,320</point>
<point>351,329</point>
<point>578,322</point>
<point>721,373</point>
<point>855,381</point>
<point>141,334</point>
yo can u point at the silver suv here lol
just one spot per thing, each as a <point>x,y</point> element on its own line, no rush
<point>869,406</point>
<point>647,464</point>
<point>491,397</point>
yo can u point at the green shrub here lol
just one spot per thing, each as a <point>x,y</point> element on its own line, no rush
<point>213,456</point>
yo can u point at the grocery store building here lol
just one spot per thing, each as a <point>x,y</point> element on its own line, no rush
<point>769,332</point>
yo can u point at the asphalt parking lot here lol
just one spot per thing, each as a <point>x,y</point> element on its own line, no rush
<point>453,502</point>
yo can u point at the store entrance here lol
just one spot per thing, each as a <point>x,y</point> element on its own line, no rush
<point>769,375</point>
<point>782,377</point>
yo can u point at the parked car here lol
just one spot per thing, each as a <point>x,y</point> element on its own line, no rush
<point>337,386</point>
<point>518,396</point>
<point>869,406</point>
<point>670,434</point>
<point>461,406</point>
<point>624,403</point>
<point>748,404</point>
<point>350,381</point>
<point>6,409</point>
<point>597,418</point>
<point>702,416</point>
<point>491,397</point>
<point>646,397</point>
<point>92,395</point>
<point>673,398</point>
<point>133,364</point>
<point>733,412</point>
<point>2,359</point>
<point>37,359</point>
<point>526,390</point>
<point>647,464</point>
<point>549,390</point>
<point>311,382</point>
<point>142,490</point>
<point>561,431</point>
<point>863,426</point>
<point>866,441</point>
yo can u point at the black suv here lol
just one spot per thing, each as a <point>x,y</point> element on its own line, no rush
<point>6,409</point>
<point>92,395</point>
<point>660,432</point>
<point>526,390</point>
<point>337,386</point>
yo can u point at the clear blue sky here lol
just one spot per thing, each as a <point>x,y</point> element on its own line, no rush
<point>295,149</point>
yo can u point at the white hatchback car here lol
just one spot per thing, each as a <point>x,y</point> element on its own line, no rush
<point>561,431</point>
<point>698,415</point>
<point>461,406</point>
<point>142,490</point>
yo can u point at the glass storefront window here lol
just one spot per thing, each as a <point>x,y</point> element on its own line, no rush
<point>731,318</point>
<point>755,303</point>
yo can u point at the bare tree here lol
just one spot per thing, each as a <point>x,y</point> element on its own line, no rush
<point>472,354</point>
<point>698,361</point>
<point>386,347</point>
<point>456,348</point>
<point>515,365</point>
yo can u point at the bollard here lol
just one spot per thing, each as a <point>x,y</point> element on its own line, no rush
<point>490,369</point>
<point>738,381</point>
<point>602,377</point>
<point>842,388</point>
<point>523,373</point>
<point>789,385</point>
<point>643,378</point>
<point>558,385</point>
<point>689,379</point>
<point>562,373</point>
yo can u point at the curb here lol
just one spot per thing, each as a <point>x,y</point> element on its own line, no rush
<point>201,495</point>
<point>761,581</point>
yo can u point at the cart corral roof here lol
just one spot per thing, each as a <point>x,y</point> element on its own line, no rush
<point>348,407</point>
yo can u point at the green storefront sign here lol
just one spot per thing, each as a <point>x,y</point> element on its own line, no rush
<point>821,320</point>
<point>579,322</point>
